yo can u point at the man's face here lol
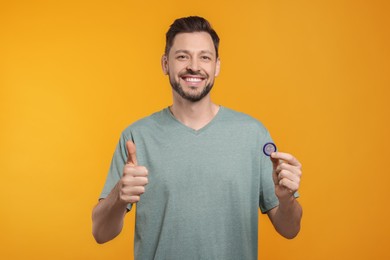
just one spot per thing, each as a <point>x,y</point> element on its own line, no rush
<point>192,65</point>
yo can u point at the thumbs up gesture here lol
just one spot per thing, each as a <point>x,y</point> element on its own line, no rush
<point>134,179</point>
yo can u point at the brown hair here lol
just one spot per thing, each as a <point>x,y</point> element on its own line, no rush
<point>188,25</point>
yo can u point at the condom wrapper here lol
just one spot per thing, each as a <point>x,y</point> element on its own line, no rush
<point>269,148</point>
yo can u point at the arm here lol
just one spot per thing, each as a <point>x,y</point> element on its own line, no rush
<point>108,216</point>
<point>286,217</point>
<point>109,213</point>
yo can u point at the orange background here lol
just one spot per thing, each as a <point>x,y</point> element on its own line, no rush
<point>74,74</point>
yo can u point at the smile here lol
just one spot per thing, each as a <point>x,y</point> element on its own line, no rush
<point>193,79</point>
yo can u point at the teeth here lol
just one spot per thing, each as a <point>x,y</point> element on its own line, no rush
<point>193,79</point>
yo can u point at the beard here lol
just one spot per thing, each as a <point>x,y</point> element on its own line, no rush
<point>193,97</point>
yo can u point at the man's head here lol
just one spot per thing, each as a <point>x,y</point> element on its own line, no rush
<point>191,57</point>
<point>189,25</point>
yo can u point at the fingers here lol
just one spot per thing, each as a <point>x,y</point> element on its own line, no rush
<point>287,171</point>
<point>135,171</point>
<point>289,178</point>
<point>131,153</point>
<point>130,181</point>
<point>130,198</point>
<point>134,179</point>
<point>285,157</point>
<point>132,194</point>
<point>291,186</point>
<point>133,185</point>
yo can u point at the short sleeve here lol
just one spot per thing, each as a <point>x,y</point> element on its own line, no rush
<point>116,169</point>
<point>267,199</point>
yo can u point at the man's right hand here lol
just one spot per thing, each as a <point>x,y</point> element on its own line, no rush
<point>108,214</point>
<point>134,179</point>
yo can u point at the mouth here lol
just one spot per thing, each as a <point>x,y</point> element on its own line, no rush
<point>192,79</point>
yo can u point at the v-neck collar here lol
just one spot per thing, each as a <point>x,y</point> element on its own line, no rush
<point>191,130</point>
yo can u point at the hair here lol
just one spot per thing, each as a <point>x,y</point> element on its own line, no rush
<point>188,25</point>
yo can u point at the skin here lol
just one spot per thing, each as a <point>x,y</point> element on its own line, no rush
<point>192,66</point>
<point>192,52</point>
<point>109,213</point>
<point>286,217</point>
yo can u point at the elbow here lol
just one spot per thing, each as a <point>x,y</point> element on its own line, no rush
<point>105,227</point>
<point>293,227</point>
<point>97,237</point>
<point>290,233</point>
<point>99,240</point>
<point>97,233</point>
<point>101,234</point>
<point>101,237</point>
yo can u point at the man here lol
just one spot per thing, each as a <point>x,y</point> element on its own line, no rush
<point>196,170</point>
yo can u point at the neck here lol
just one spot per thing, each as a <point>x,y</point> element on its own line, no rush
<point>194,114</point>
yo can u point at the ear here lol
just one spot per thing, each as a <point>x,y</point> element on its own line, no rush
<point>164,64</point>
<point>217,67</point>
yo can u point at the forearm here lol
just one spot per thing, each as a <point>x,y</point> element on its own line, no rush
<point>287,217</point>
<point>107,217</point>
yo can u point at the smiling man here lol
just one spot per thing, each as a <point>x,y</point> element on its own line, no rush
<point>196,170</point>
<point>192,70</point>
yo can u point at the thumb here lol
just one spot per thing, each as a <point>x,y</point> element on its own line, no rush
<point>131,153</point>
<point>274,160</point>
<point>275,163</point>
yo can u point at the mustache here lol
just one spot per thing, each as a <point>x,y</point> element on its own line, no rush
<point>192,73</point>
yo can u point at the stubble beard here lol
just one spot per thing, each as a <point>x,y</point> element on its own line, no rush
<point>188,96</point>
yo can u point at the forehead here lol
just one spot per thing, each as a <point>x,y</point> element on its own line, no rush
<point>193,42</point>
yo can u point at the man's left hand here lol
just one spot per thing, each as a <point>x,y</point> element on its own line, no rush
<point>287,171</point>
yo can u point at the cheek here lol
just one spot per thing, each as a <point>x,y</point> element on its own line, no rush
<point>212,70</point>
<point>175,71</point>
<point>211,73</point>
<point>173,76</point>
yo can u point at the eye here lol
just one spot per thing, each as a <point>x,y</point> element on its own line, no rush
<point>205,58</point>
<point>182,57</point>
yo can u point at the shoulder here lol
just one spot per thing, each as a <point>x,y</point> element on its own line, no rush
<point>147,123</point>
<point>243,120</point>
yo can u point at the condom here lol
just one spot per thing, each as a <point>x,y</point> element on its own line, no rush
<point>269,148</point>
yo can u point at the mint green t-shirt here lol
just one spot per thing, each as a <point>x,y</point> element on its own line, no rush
<point>205,186</point>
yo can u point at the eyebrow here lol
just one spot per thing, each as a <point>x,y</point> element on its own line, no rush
<point>188,52</point>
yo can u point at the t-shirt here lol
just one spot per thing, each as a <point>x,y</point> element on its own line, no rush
<point>205,186</point>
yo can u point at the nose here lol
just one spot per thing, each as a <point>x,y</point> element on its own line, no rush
<point>193,65</point>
